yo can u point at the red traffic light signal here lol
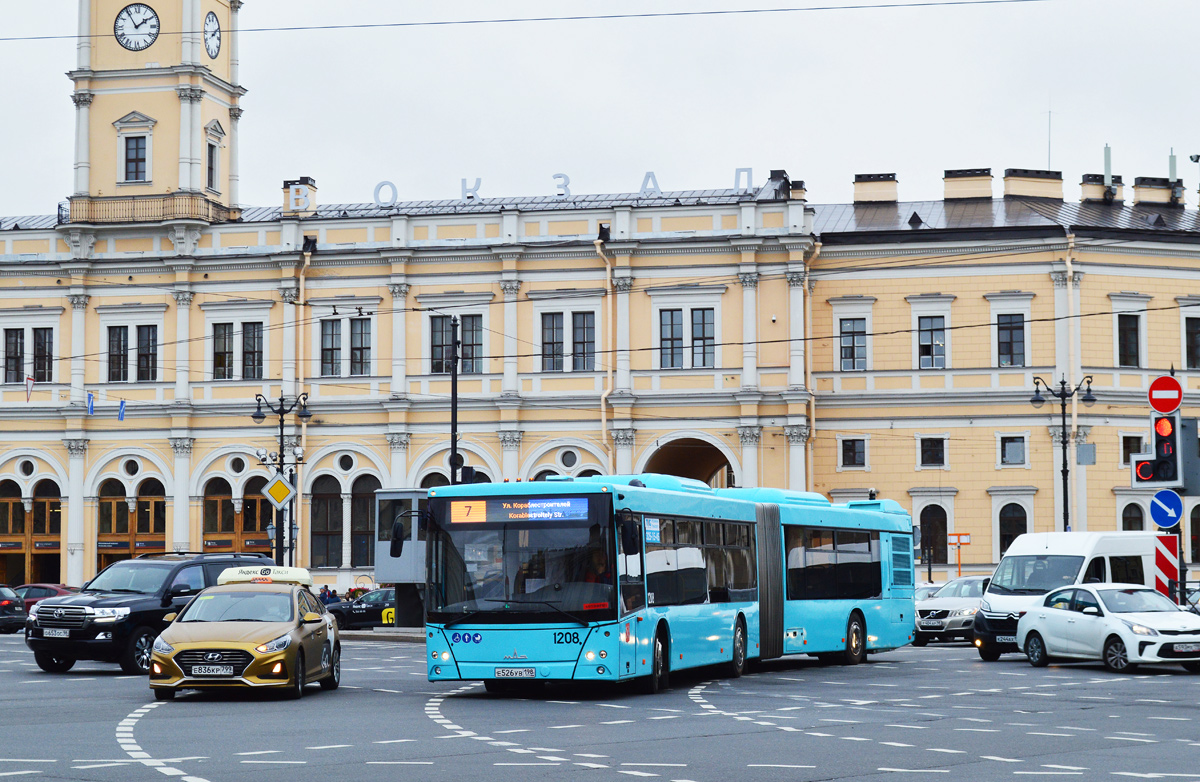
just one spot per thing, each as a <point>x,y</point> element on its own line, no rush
<point>1161,467</point>
<point>1164,427</point>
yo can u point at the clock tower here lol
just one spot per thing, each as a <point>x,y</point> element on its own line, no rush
<point>156,111</point>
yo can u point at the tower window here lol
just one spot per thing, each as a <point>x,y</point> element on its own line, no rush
<point>212,167</point>
<point>135,158</point>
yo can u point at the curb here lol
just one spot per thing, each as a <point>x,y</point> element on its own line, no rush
<point>406,637</point>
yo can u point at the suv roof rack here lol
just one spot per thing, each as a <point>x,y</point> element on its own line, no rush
<point>208,554</point>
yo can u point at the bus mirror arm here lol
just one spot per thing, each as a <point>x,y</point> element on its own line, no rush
<point>397,547</point>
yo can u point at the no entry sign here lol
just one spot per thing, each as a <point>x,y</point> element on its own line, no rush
<point>1166,394</point>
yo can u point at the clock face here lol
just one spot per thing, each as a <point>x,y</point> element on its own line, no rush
<point>212,35</point>
<point>136,27</point>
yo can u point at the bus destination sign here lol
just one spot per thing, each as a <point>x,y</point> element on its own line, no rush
<point>519,509</point>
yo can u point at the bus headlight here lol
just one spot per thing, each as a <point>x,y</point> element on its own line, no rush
<point>590,655</point>
<point>445,656</point>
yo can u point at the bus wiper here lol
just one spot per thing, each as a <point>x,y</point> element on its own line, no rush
<point>553,605</point>
<point>461,618</point>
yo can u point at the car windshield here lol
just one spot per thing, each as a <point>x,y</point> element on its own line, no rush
<point>963,588</point>
<point>239,607</point>
<point>143,578</point>
<point>1035,574</point>
<point>1135,601</point>
<point>7,593</point>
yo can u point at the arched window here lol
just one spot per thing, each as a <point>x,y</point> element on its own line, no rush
<point>113,509</point>
<point>1132,518</point>
<point>588,473</point>
<point>544,474</point>
<point>933,533</point>
<point>1012,524</point>
<point>1195,519</point>
<point>218,506</point>
<point>326,509</point>
<point>12,510</point>
<point>362,521</point>
<point>481,477</point>
<point>152,508</point>
<point>434,480</point>
<point>256,509</point>
<point>47,508</point>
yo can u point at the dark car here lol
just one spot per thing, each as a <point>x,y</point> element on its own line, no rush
<point>366,611</point>
<point>12,611</point>
<point>118,614</point>
<point>35,593</point>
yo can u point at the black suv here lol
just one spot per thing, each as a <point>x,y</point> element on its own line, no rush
<point>119,613</point>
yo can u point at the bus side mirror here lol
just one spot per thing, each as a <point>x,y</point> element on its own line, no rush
<point>630,540</point>
<point>916,537</point>
<point>397,539</point>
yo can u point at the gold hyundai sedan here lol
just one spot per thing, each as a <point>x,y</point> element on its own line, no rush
<point>259,627</point>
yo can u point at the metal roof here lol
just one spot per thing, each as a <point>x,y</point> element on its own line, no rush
<point>28,222</point>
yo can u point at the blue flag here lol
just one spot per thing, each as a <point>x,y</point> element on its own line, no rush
<point>91,403</point>
<point>121,411</point>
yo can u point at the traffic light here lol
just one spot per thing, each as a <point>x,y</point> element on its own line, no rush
<point>1161,467</point>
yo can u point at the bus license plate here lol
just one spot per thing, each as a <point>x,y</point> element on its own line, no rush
<point>212,670</point>
<point>1006,639</point>
<point>56,633</point>
<point>1187,648</point>
<point>515,673</point>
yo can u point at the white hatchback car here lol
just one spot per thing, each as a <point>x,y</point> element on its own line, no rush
<point>1120,624</point>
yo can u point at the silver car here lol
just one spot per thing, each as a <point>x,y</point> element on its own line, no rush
<point>950,612</point>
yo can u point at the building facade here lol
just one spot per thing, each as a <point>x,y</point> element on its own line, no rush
<point>736,336</point>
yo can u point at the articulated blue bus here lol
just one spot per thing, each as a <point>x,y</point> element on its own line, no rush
<point>630,577</point>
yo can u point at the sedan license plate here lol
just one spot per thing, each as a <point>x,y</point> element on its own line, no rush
<point>515,673</point>
<point>1006,639</point>
<point>931,623</point>
<point>1187,648</point>
<point>212,670</point>
<point>56,633</point>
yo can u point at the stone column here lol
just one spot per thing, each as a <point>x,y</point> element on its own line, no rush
<point>234,59</point>
<point>197,134</point>
<point>795,281</point>
<point>76,465</point>
<point>83,165</point>
<point>749,283</point>
<point>290,296</point>
<point>510,385</point>
<point>79,304</point>
<point>398,443</point>
<point>399,293</point>
<point>623,440</point>
<point>510,443</point>
<point>183,333</point>
<point>346,529</point>
<point>181,506</point>
<point>623,285</point>
<point>83,48</point>
<point>1062,330</point>
<point>749,436</point>
<point>235,116</point>
<point>185,132</point>
<point>797,438</point>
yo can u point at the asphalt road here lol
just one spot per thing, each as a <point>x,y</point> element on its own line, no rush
<point>937,713</point>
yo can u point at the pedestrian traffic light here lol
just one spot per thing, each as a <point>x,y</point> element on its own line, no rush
<point>1161,467</point>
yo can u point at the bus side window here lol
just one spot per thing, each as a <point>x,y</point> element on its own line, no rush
<point>1095,572</point>
<point>793,542</point>
<point>1127,570</point>
<point>632,582</point>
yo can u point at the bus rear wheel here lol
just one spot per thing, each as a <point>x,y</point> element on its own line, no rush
<point>737,666</point>
<point>659,678</point>
<point>856,641</point>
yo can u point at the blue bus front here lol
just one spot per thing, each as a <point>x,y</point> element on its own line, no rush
<point>523,583</point>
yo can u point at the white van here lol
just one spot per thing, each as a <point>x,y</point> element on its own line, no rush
<point>1038,562</point>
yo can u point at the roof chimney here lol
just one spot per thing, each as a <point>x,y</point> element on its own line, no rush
<point>967,183</point>
<point>1033,183</point>
<point>1157,190</point>
<point>875,188</point>
<point>1095,191</point>
<point>300,197</point>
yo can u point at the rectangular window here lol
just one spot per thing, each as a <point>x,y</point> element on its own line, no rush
<point>1128,341</point>
<point>931,346</point>
<point>135,158</point>
<point>441,334</point>
<point>1131,445</point>
<point>1012,450</point>
<point>1192,326</point>
<point>252,351</point>
<point>933,452</point>
<point>670,339</point>
<point>704,337</point>
<point>360,346</point>
<point>14,355</point>
<point>331,348</point>
<point>222,351</point>
<point>147,353</point>
<point>854,453</point>
<point>1010,340</point>
<point>583,341</point>
<point>552,342</point>
<point>118,354</point>
<point>43,355</point>
<point>854,344</point>
<point>472,344</point>
<point>212,166</point>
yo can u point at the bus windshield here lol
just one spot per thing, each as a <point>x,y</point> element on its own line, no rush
<point>1034,575</point>
<point>520,570</point>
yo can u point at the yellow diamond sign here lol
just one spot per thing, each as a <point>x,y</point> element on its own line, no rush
<point>279,491</point>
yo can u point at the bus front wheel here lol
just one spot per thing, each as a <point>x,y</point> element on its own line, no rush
<point>659,678</point>
<point>856,641</point>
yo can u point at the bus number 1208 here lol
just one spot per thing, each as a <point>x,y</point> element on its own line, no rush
<point>566,638</point>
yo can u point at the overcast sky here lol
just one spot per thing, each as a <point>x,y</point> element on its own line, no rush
<point>822,94</point>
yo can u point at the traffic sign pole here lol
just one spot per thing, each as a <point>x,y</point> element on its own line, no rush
<point>960,539</point>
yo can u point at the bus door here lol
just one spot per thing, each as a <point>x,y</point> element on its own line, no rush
<point>632,597</point>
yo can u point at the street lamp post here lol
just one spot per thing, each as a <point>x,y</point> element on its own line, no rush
<point>1063,393</point>
<point>278,459</point>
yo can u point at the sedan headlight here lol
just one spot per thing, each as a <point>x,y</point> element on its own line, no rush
<point>965,612</point>
<point>162,647</point>
<point>109,614</point>
<point>278,645</point>
<point>1140,629</point>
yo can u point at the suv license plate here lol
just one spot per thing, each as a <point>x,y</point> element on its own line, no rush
<point>1187,648</point>
<point>515,673</point>
<point>1006,639</point>
<point>212,670</point>
<point>931,623</point>
<point>56,633</point>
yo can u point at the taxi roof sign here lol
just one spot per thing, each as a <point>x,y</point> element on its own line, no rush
<point>265,575</point>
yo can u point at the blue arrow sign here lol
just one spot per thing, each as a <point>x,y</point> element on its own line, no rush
<point>1166,508</point>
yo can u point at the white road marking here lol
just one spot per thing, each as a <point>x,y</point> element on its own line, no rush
<point>637,773</point>
<point>895,744</point>
<point>331,746</point>
<point>1131,738</point>
<point>399,762</point>
<point>916,770</point>
<point>261,752</point>
<point>948,751</point>
<point>1001,760</point>
<point>277,762</point>
<point>657,765</point>
<point>610,722</point>
<point>393,741</point>
<point>774,765</point>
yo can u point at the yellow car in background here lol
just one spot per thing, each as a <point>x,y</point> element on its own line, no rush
<point>259,627</point>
